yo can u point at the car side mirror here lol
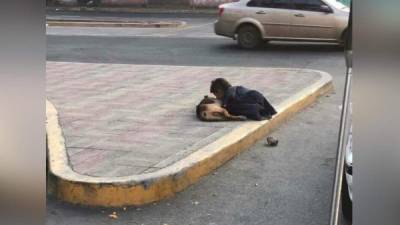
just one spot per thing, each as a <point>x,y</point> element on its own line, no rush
<point>326,9</point>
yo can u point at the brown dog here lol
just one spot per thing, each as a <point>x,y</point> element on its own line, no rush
<point>210,109</point>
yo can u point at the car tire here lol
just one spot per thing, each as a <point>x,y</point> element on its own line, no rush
<point>249,37</point>
<point>347,205</point>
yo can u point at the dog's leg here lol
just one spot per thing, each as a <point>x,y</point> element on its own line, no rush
<point>228,116</point>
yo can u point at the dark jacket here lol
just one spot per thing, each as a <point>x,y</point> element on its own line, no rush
<point>241,101</point>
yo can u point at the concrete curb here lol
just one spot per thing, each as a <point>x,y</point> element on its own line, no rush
<point>133,24</point>
<point>199,11</point>
<point>142,189</point>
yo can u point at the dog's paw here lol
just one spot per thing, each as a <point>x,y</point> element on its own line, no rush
<point>241,118</point>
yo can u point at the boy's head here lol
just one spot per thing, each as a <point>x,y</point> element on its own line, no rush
<point>218,87</point>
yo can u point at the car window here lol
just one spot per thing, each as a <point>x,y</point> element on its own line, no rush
<point>259,3</point>
<point>255,3</point>
<point>309,5</point>
<point>281,4</point>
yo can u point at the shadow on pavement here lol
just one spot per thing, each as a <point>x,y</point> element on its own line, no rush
<point>289,47</point>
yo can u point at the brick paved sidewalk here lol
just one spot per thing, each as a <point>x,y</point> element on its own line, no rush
<point>121,120</point>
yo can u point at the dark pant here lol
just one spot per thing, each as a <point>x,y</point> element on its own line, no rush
<point>253,105</point>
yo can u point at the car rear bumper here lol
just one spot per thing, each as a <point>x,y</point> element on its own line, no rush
<point>223,28</point>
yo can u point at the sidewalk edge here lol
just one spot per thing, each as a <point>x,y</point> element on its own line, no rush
<point>213,11</point>
<point>142,189</point>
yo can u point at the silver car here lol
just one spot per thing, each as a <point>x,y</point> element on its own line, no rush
<point>251,22</point>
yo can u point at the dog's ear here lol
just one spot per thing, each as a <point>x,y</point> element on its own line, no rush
<point>200,108</point>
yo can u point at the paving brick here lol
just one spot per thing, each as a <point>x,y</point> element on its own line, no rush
<point>128,119</point>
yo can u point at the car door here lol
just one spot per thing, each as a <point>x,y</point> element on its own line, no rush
<point>311,22</point>
<point>274,15</point>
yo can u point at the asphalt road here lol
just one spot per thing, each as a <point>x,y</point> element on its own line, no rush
<point>290,184</point>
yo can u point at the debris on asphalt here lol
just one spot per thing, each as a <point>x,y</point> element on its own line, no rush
<point>272,142</point>
<point>256,184</point>
<point>195,203</point>
<point>113,215</point>
<point>124,208</point>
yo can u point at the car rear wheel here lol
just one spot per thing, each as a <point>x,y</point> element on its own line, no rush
<point>249,37</point>
<point>347,206</point>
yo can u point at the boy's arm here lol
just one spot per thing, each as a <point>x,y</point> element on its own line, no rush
<point>228,95</point>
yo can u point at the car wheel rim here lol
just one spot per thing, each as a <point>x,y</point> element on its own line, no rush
<point>248,39</point>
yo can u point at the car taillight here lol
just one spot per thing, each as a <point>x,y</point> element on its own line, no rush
<point>221,10</point>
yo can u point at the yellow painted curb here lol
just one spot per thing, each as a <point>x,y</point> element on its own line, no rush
<point>163,24</point>
<point>69,186</point>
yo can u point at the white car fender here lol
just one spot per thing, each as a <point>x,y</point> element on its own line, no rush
<point>252,21</point>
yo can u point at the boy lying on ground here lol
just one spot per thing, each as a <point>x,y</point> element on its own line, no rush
<point>209,109</point>
<point>238,100</point>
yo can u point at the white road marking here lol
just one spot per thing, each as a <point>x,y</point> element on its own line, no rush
<point>135,32</point>
<point>143,36</point>
<point>197,26</point>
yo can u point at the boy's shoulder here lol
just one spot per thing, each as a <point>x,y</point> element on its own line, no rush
<point>242,89</point>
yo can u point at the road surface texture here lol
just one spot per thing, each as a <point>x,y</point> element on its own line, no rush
<point>290,184</point>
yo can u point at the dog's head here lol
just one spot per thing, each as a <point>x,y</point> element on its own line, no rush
<point>205,110</point>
